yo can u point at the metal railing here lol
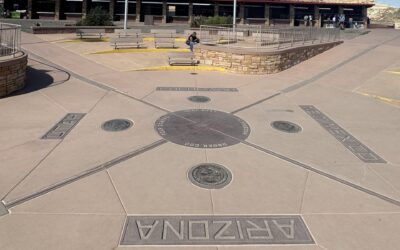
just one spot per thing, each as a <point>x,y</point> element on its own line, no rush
<point>10,39</point>
<point>266,38</point>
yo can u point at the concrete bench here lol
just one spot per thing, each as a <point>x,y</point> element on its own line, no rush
<point>129,33</point>
<point>129,42</point>
<point>164,43</point>
<point>182,58</point>
<point>90,33</point>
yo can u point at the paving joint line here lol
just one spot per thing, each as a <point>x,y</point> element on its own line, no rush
<point>322,173</point>
<point>86,173</point>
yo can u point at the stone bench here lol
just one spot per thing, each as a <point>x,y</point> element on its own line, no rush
<point>129,42</point>
<point>90,33</point>
<point>182,58</point>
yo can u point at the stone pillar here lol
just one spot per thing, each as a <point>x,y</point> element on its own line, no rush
<point>57,10</point>
<point>138,10</point>
<point>30,9</point>
<point>164,11</point>
<point>112,9</point>
<point>291,14</point>
<point>85,8</point>
<point>190,12</point>
<point>267,14</point>
<point>241,13</point>
<point>340,10</point>
<point>365,16</point>
<point>216,9</point>
<point>317,16</point>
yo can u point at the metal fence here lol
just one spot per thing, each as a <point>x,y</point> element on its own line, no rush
<point>260,37</point>
<point>10,39</point>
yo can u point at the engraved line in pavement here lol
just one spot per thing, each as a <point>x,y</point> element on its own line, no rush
<point>327,175</point>
<point>86,173</point>
<point>350,142</point>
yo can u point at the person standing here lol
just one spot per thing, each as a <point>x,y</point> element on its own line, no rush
<point>192,40</point>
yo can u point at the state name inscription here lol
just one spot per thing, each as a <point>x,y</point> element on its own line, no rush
<point>215,230</point>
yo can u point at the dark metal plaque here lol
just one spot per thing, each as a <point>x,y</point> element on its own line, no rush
<point>63,127</point>
<point>199,98</point>
<point>3,209</point>
<point>215,230</point>
<point>116,125</point>
<point>197,89</point>
<point>202,128</point>
<point>350,142</point>
<point>210,176</point>
<point>286,126</point>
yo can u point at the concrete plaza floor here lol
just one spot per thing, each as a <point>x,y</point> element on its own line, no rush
<point>339,175</point>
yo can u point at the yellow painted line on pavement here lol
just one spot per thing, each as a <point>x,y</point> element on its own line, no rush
<point>382,98</point>
<point>394,72</point>
<point>175,68</point>
<point>117,51</point>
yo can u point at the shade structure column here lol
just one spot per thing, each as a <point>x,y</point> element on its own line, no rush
<point>57,10</point>
<point>30,9</point>
<point>112,9</point>
<point>241,13</point>
<point>216,9</point>
<point>364,16</point>
<point>85,7</point>
<point>190,12</point>
<point>164,11</point>
<point>291,14</point>
<point>267,14</point>
<point>317,16</point>
<point>138,10</point>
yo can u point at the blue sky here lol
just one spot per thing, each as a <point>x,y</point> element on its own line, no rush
<point>394,3</point>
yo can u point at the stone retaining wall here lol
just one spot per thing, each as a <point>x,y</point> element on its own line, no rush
<point>247,61</point>
<point>12,74</point>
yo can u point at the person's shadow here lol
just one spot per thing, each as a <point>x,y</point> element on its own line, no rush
<point>37,79</point>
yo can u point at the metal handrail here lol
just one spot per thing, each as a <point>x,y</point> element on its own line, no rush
<point>266,38</point>
<point>10,39</point>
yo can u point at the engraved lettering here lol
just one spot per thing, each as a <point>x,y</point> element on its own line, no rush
<point>205,226</point>
<point>178,234</point>
<point>150,228</point>
<point>220,234</point>
<point>286,229</point>
<point>256,228</point>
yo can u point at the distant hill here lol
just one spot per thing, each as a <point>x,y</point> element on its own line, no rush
<point>383,14</point>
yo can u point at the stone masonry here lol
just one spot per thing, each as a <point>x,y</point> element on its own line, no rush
<point>12,74</point>
<point>257,62</point>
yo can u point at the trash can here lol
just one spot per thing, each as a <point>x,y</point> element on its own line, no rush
<point>148,20</point>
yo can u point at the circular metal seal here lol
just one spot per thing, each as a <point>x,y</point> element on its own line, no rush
<point>199,98</point>
<point>210,176</point>
<point>286,126</point>
<point>202,128</point>
<point>116,125</point>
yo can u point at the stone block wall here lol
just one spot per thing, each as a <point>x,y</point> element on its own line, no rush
<point>257,62</point>
<point>12,74</point>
